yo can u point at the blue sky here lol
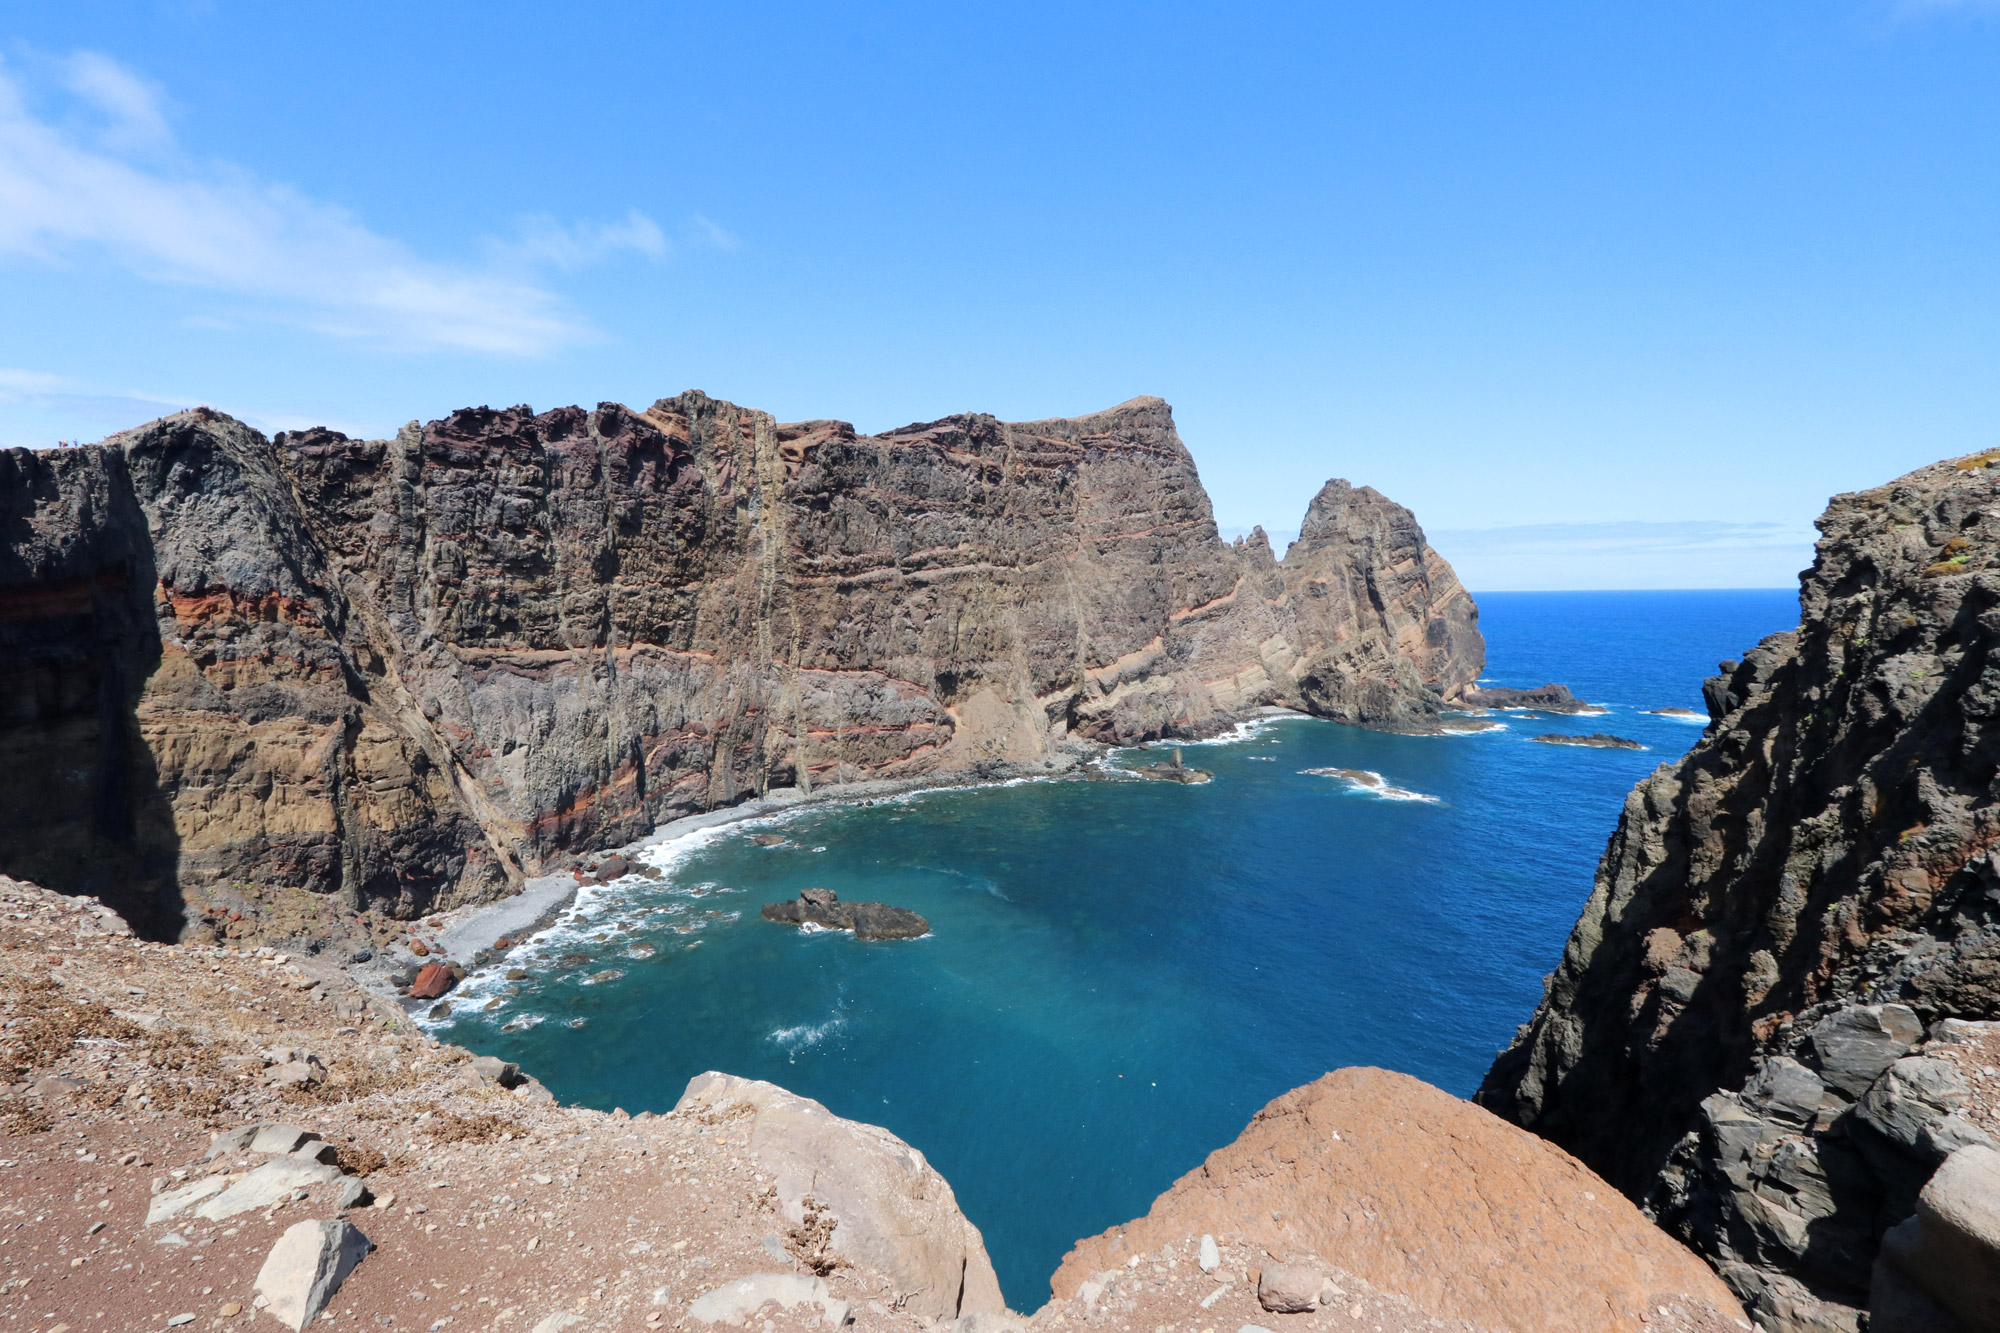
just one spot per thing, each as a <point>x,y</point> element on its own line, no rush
<point>1638,285</point>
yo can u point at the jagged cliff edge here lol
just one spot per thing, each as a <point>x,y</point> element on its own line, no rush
<point>1767,1024</point>
<point>313,676</point>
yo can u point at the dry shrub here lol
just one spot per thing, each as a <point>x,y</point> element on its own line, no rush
<point>808,1240</point>
<point>178,1050</point>
<point>449,1127</point>
<point>360,1159</point>
<point>19,1116</point>
<point>733,1111</point>
<point>49,1025</point>
<point>197,1101</point>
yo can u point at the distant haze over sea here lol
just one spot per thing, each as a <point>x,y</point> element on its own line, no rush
<point>1561,557</point>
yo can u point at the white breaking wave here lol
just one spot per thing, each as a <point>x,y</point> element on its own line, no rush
<point>806,1035</point>
<point>1370,783</point>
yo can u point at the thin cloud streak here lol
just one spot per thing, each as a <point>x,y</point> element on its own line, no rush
<point>292,258</point>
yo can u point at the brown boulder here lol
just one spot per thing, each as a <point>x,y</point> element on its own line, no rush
<point>434,980</point>
<point>1430,1198</point>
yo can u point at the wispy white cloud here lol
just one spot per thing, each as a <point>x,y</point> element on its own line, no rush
<point>121,188</point>
<point>541,241</point>
<point>714,235</point>
<point>133,110</point>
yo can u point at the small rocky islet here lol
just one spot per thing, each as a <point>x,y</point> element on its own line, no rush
<point>1596,740</point>
<point>1774,1025</point>
<point>822,908</point>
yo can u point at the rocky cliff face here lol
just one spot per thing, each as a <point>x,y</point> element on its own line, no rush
<point>1737,1032</point>
<point>291,680</point>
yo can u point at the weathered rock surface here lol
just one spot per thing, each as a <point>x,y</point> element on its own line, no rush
<point>306,1267</point>
<point>1951,1247</point>
<point>1430,1199</point>
<point>1733,1033</point>
<point>736,1303</point>
<point>892,1211</point>
<point>1550,698</point>
<point>257,686</point>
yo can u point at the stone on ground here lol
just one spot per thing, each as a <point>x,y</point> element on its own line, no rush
<point>265,1186</point>
<point>306,1267</point>
<point>1290,1288</point>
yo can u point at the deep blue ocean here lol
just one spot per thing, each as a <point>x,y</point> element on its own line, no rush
<point>1120,974</point>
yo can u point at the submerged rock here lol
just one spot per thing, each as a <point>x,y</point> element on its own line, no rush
<point>869,921</point>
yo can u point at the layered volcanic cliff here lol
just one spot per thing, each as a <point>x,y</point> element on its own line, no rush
<point>316,675</point>
<point>1759,1026</point>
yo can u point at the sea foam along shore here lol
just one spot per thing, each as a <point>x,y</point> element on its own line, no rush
<point>531,917</point>
<point>534,919</point>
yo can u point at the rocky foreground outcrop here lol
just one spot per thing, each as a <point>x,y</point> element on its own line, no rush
<point>1444,1215</point>
<point>201,1133</point>
<point>210,1136</point>
<point>255,687</point>
<point>1768,1022</point>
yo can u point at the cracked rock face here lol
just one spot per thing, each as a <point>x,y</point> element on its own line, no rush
<point>1736,1034</point>
<point>249,677</point>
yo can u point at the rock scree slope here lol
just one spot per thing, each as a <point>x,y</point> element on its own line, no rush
<point>1773,1021</point>
<point>262,685</point>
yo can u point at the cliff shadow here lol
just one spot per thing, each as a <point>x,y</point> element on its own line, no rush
<point>81,806</point>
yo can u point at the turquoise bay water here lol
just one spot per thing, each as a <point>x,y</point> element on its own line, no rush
<point>1120,974</point>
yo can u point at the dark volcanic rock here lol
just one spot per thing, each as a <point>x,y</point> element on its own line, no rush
<point>1172,770</point>
<point>1600,740</point>
<point>1732,1034</point>
<point>1550,698</point>
<point>281,675</point>
<point>868,921</point>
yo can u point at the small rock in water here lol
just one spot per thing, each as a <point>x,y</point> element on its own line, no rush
<point>767,839</point>
<point>1596,740</point>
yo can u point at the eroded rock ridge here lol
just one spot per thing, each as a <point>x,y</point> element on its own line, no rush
<point>314,675</point>
<point>1768,1024</point>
